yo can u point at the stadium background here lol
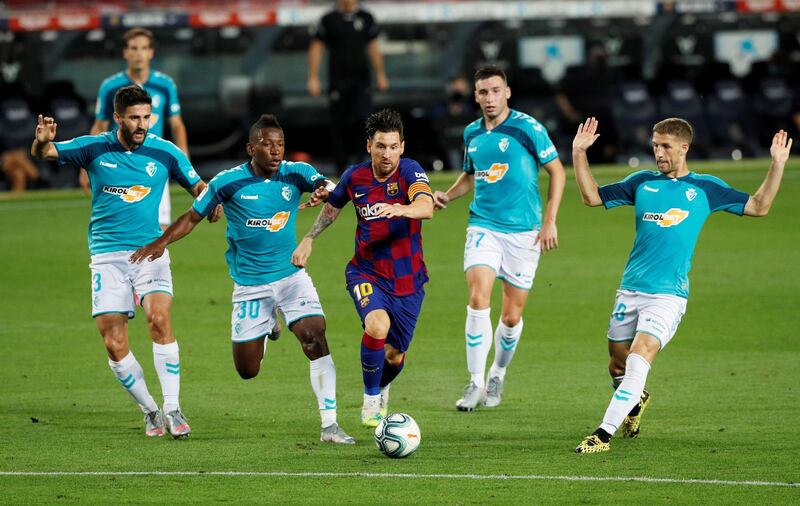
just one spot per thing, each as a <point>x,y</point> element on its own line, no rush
<point>729,67</point>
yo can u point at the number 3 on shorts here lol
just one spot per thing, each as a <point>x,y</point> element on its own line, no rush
<point>96,277</point>
<point>362,290</point>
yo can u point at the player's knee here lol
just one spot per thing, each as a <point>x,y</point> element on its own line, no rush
<point>615,367</point>
<point>510,320</point>
<point>158,321</point>
<point>395,359</point>
<point>478,300</point>
<point>377,324</point>
<point>116,348</point>
<point>247,371</point>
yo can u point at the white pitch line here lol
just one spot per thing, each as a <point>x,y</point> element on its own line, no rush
<point>640,479</point>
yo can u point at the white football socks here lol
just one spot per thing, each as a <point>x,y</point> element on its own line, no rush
<point>323,382</point>
<point>505,344</point>
<point>131,377</point>
<point>168,367</point>
<point>479,341</point>
<point>627,393</point>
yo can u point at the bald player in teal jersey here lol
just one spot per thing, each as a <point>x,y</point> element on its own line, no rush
<point>261,199</point>
<point>507,230</point>
<point>128,169</point>
<point>671,206</point>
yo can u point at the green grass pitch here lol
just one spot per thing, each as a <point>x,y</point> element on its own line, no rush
<point>726,400</point>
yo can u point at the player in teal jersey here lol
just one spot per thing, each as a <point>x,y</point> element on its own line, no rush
<point>139,52</point>
<point>128,169</point>
<point>506,232</point>
<point>261,199</point>
<point>672,204</point>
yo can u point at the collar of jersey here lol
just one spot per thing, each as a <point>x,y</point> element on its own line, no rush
<point>483,122</point>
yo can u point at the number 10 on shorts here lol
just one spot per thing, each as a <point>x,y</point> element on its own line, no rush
<point>362,290</point>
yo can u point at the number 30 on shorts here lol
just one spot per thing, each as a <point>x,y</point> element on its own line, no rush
<point>362,290</point>
<point>249,308</point>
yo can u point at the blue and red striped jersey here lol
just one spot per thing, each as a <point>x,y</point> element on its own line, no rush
<point>388,251</point>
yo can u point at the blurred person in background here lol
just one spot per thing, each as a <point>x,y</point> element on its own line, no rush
<point>139,52</point>
<point>351,36</point>
<point>16,121</point>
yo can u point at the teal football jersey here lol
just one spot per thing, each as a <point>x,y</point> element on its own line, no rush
<point>669,216</point>
<point>261,216</point>
<point>159,86</point>
<point>126,186</point>
<point>505,162</point>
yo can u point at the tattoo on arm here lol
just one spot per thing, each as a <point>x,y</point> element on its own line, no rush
<point>327,216</point>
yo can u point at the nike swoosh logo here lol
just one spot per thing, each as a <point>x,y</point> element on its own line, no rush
<point>359,195</point>
<point>654,190</point>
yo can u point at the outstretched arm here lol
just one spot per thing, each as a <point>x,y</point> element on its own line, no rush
<point>759,203</point>
<point>196,190</point>
<point>182,226</point>
<point>376,59</point>
<point>548,235</point>
<point>420,209</point>
<point>587,134</point>
<point>461,187</point>
<point>315,51</point>
<point>42,147</point>
<point>327,215</point>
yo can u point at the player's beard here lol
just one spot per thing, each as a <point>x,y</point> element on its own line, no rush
<point>128,136</point>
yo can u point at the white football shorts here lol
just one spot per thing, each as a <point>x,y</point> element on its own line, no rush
<point>252,317</point>
<point>118,285</point>
<point>513,256</point>
<point>655,314</point>
<point>165,208</point>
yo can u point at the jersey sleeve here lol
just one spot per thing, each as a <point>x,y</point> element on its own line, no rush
<point>321,30</point>
<point>180,168</point>
<point>621,193</point>
<point>309,177</point>
<point>543,148</point>
<point>417,181</point>
<point>78,151</point>
<point>467,166</point>
<point>104,108</point>
<point>722,197</point>
<point>209,198</point>
<point>339,197</point>
<point>173,106</point>
<point>372,28</point>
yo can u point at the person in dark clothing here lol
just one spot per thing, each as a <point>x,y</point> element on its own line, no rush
<point>351,36</point>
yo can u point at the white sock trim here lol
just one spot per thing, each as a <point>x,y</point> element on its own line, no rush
<point>166,349</point>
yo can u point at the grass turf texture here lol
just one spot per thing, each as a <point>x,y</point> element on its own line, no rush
<point>725,395</point>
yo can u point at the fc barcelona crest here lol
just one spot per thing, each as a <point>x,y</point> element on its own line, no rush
<point>392,189</point>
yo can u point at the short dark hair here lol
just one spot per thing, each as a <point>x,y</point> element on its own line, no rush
<point>489,71</point>
<point>130,95</point>
<point>265,121</point>
<point>677,127</point>
<point>385,120</point>
<point>138,32</point>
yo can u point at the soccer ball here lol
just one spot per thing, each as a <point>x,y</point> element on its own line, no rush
<point>397,435</point>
